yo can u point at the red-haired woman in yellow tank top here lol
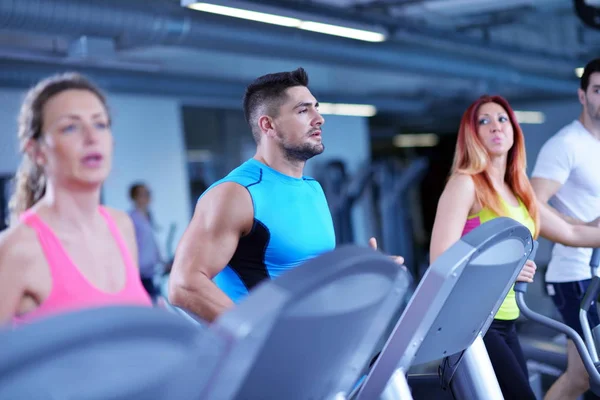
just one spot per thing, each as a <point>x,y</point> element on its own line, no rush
<point>489,179</point>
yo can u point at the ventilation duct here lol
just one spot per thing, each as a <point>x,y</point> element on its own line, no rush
<point>146,22</point>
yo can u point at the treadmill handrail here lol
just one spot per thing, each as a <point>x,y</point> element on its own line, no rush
<point>520,289</point>
<point>595,259</point>
<point>352,189</point>
<point>588,336</point>
<point>423,317</point>
<point>399,179</point>
<point>567,330</point>
<point>358,183</point>
<point>411,174</point>
<point>591,295</point>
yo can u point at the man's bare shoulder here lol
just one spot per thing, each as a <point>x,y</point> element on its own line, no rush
<point>229,192</point>
<point>227,203</point>
<point>226,197</point>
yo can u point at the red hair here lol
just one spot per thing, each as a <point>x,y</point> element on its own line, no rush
<point>472,158</point>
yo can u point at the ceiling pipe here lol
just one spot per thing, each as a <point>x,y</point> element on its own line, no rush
<point>414,32</point>
<point>147,22</point>
<point>192,90</point>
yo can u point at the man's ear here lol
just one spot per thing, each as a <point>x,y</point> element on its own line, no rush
<point>265,124</point>
<point>581,95</point>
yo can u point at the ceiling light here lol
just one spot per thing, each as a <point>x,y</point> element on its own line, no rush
<point>199,156</point>
<point>336,30</point>
<point>354,110</point>
<point>457,7</point>
<point>579,72</point>
<point>270,15</point>
<point>530,117</point>
<point>416,140</point>
<point>246,14</point>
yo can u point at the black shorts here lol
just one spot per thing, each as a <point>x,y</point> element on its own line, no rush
<point>567,298</point>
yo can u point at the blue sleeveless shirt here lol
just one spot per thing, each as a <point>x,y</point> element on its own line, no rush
<point>292,224</point>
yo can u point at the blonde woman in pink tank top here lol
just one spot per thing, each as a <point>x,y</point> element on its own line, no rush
<point>64,251</point>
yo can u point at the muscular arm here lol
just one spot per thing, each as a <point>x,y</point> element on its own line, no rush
<point>556,229</point>
<point>221,217</point>
<point>453,209</point>
<point>544,190</point>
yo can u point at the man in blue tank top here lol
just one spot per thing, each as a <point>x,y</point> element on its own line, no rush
<point>265,217</point>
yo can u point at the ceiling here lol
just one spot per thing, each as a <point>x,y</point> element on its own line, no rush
<point>439,54</point>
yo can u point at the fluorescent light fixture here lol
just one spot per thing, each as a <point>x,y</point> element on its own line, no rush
<point>456,7</point>
<point>354,110</point>
<point>579,72</point>
<point>335,30</point>
<point>199,155</point>
<point>246,14</point>
<point>270,15</point>
<point>530,117</point>
<point>416,140</point>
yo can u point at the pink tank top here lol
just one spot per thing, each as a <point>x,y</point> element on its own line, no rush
<point>71,290</point>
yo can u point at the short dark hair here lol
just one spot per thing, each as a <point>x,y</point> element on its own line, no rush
<point>267,93</point>
<point>591,67</point>
<point>134,189</point>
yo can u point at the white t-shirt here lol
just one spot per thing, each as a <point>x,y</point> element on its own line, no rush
<point>572,157</point>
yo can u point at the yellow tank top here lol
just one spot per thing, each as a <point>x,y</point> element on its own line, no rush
<point>509,309</point>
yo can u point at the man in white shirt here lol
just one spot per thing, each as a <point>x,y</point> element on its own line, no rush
<point>566,178</point>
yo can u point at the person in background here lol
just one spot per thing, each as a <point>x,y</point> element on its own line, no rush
<point>566,181</point>
<point>149,257</point>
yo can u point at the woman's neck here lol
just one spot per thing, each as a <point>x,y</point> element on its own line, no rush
<point>76,209</point>
<point>497,171</point>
